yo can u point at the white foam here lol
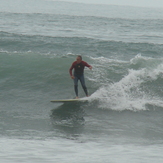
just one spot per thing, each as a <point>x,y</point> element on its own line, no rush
<point>67,150</point>
<point>147,62</point>
<point>3,51</point>
<point>128,93</point>
<point>138,57</point>
<point>107,60</point>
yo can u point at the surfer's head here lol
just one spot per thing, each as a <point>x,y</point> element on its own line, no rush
<point>79,58</point>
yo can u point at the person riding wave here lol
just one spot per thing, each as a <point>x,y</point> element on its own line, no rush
<point>78,74</point>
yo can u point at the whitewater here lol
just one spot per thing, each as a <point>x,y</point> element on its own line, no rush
<point>122,120</point>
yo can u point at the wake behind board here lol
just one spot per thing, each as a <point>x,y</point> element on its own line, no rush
<point>70,100</point>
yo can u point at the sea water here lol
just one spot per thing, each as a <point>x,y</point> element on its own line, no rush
<point>122,120</point>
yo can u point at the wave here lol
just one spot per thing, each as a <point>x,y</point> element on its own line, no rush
<point>12,43</point>
<point>80,9</point>
<point>120,80</point>
<point>137,90</point>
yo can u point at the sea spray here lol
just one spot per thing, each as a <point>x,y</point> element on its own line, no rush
<point>131,91</point>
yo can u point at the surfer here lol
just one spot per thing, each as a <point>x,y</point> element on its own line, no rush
<point>78,74</point>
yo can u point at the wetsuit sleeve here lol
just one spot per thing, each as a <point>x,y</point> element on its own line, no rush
<point>71,68</point>
<point>86,64</point>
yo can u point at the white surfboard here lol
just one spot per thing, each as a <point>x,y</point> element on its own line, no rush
<point>70,100</point>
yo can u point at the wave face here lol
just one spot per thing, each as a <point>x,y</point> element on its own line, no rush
<point>124,111</point>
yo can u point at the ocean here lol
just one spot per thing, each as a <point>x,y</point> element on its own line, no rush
<point>122,121</point>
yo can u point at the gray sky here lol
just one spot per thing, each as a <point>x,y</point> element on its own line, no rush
<point>141,3</point>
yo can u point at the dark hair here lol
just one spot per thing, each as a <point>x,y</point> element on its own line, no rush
<point>80,57</point>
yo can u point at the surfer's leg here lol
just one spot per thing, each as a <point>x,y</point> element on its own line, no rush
<point>76,86</point>
<point>83,84</point>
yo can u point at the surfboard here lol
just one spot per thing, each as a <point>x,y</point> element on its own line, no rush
<point>70,100</point>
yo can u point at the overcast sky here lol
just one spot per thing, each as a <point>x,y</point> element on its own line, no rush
<point>141,3</point>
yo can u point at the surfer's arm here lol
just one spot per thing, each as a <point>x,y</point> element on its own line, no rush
<point>87,65</point>
<point>70,70</point>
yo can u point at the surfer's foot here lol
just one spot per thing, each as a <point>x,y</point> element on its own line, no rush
<point>76,97</point>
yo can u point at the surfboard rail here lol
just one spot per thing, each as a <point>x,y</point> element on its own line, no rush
<point>69,100</point>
